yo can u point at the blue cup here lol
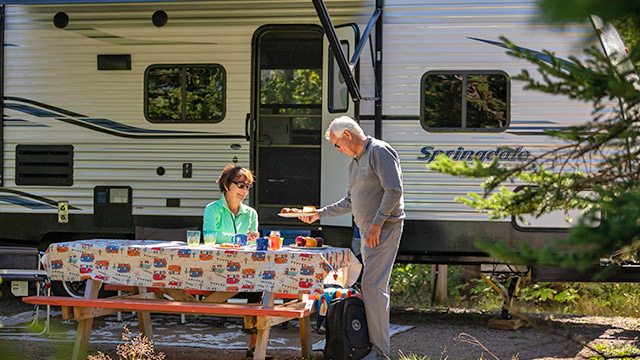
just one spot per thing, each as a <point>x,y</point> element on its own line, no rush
<point>240,239</point>
<point>262,243</point>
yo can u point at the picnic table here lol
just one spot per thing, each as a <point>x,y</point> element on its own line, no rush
<point>154,267</point>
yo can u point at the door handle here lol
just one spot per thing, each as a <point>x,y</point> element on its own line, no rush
<point>247,124</point>
<point>275,180</point>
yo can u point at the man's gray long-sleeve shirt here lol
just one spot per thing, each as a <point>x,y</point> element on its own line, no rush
<point>375,187</point>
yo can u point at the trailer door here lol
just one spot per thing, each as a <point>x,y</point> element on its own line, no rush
<point>287,111</point>
<point>336,102</point>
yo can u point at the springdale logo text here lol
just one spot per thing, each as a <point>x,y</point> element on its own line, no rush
<point>503,154</point>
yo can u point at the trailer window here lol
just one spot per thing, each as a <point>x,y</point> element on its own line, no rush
<point>185,93</point>
<point>338,92</point>
<point>465,101</point>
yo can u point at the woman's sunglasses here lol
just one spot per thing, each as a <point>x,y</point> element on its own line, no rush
<point>242,185</point>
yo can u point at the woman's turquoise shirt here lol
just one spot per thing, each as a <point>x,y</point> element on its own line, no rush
<point>218,217</point>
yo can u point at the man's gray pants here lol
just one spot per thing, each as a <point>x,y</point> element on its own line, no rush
<point>377,265</point>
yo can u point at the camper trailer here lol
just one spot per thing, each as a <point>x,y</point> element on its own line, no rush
<point>120,114</point>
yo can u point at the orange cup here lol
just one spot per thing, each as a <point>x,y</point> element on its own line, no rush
<point>274,242</point>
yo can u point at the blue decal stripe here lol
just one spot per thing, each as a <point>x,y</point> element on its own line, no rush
<point>43,105</point>
<point>30,110</point>
<point>21,123</point>
<point>136,136</point>
<point>105,125</point>
<point>26,202</point>
<point>45,203</point>
<point>567,65</point>
<point>110,124</point>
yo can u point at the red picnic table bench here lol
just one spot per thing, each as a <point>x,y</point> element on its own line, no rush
<point>150,300</point>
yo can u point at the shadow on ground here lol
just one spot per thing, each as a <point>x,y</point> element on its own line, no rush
<point>435,334</point>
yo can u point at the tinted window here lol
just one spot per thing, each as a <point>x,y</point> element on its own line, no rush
<point>338,91</point>
<point>185,93</point>
<point>465,101</point>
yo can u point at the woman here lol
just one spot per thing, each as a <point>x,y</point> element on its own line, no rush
<point>229,216</point>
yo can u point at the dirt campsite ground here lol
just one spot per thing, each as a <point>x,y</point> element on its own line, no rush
<point>439,334</point>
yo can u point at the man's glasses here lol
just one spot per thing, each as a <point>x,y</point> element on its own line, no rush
<point>242,185</point>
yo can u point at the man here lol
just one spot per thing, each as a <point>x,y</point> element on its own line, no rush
<point>374,197</point>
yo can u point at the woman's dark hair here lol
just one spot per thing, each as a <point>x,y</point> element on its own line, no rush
<point>233,173</point>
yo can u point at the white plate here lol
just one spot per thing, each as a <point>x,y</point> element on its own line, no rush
<point>305,248</point>
<point>294,215</point>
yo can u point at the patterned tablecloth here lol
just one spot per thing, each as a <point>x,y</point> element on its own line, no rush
<point>175,265</point>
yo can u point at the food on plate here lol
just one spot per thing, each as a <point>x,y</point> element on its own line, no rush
<point>228,245</point>
<point>290,211</point>
<point>309,209</point>
<point>308,241</point>
<point>300,241</point>
<point>304,210</point>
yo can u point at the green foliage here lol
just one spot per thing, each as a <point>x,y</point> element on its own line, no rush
<point>483,296</point>
<point>295,86</point>
<point>611,299</point>
<point>596,170</point>
<point>579,10</point>
<point>185,93</point>
<point>411,287</point>
<point>539,291</point>
<point>570,296</point>
<point>622,352</point>
<point>543,291</point>
<point>410,284</point>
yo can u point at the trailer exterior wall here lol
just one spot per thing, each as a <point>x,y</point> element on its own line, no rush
<point>57,67</point>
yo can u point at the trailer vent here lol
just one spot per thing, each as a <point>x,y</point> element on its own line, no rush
<point>44,165</point>
<point>114,62</point>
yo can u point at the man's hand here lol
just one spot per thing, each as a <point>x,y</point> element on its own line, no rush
<point>373,236</point>
<point>310,219</point>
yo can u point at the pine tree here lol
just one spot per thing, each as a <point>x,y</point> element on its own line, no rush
<point>596,170</point>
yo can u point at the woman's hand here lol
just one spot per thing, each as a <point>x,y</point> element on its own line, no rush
<point>252,235</point>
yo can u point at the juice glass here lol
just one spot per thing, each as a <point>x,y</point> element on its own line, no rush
<point>274,240</point>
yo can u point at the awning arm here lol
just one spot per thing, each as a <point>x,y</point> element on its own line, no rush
<point>363,39</point>
<point>334,42</point>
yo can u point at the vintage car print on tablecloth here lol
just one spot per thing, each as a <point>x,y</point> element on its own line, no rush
<point>174,265</point>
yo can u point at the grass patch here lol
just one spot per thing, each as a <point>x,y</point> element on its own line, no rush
<point>411,288</point>
<point>622,352</point>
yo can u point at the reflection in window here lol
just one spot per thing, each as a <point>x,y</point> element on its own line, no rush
<point>486,101</point>
<point>465,101</point>
<point>443,101</point>
<point>290,101</point>
<point>285,90</point>
<point>185,93</point>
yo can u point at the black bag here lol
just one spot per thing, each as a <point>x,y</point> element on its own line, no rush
<point>347,331</point>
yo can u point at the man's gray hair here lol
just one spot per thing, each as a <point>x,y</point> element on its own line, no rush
<point>339,125</point>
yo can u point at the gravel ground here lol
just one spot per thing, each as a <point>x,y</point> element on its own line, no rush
<point>439,334</point>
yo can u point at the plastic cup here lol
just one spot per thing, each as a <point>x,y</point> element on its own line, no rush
<point>274,240</point>
<point>274,243</point>
<point>210,237</point>
<point>262,244</point>
<point>240,239</point>
<point>193,237</point>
